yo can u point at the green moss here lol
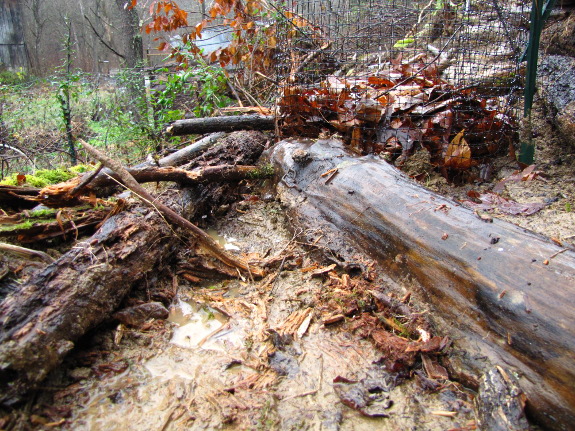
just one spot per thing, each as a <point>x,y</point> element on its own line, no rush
<point>44,177</point>
<point>43,213</point>
<point>80,169</point>
<point>264,171</point>
<point>14,227</point>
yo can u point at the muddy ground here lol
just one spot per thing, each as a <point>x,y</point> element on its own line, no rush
<point>242,354</point>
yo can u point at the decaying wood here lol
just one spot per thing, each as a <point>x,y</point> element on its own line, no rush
<point>221,124</point>
<point>489,282</point>
<point>64,194</point>
<point>500,403</point>
<point>185,178</point>
<point>72,222</point>
<point>103,178</point>
<point>40,322</point>
<point>224,163</point>
<point>206,241</point>
<point>17,196</point>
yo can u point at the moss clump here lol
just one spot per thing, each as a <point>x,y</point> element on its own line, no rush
<point>264,171</point>
<point>16,227</point>
<point>45,177</point>
<point>43,213</point>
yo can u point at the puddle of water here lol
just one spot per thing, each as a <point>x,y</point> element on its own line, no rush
<point>203,327</point>
<point>196,323</point>
<point>227,242</point>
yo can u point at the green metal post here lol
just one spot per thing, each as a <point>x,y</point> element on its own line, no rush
<point>539,14</point>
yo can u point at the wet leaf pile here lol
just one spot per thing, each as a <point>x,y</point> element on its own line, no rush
<point>396,110</point>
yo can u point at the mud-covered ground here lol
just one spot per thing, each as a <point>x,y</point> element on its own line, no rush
<point>293,351</point>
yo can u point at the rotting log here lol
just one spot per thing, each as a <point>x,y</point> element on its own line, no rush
<point>180,157</point>
<point>64,194</point>
<point>206,241</point>
<point>503,292</point>
<point>221,124</point>
<point>203,162</point>
<point>41,321</point>
<point>222,173</point>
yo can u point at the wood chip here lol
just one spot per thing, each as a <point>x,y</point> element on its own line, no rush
<point>320,271</point>
<point>297,323</point>
<point>444,413</point>
<point>333,319</point>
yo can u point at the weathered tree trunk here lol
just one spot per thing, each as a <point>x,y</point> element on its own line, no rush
<point>504,292</point>
<point>40,322</point>
<point>221,124</point>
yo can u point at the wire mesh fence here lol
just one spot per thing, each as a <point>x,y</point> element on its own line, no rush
<point>391,76</point>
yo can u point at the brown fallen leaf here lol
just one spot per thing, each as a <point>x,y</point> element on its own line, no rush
<point>491,201</point>
<point>458,155</point>
<point>526,174</point>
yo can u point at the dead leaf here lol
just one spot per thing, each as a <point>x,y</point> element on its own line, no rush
<point>433,369</point>
<point>458,155</point>
<point>526,174</point>
<point>491,201</point>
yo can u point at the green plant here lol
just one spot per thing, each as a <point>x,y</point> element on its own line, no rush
<point>568,207</point>
<point>11,78</point>
<point>44,177</point>
<point>211,88</point>
<point>196,78</point>
<point>66,91</point>
<point>264,171</point>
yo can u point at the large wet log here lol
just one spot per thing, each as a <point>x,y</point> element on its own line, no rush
<point>41,321</point>
<point>221,124</point>
<point>503,292</point>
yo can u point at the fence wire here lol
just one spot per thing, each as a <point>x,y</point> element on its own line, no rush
<point>392,76</point>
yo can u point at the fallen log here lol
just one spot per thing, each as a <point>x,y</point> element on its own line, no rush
<point>221,124</point>
<point>41,321</point>
<point>180,157</point>
<point>503,292</point>
<point>225,162</point>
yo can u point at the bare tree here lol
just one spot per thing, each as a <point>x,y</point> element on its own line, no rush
<point>129,36</point>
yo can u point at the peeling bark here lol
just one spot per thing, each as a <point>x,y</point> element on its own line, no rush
<point>40,322</point>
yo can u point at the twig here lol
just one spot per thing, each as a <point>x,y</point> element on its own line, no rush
<point>558,253</point>
<point>237,96</point>
<point>267,78</point>
<point>26,252</point>
<point>308,59</point>
<point>86,179</point>
<point>206,241</point>
<point>248,95</point>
